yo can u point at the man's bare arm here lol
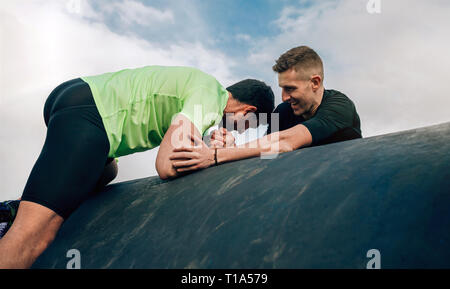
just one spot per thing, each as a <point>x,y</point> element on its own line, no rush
<point>178,135</point>
<point>279,142</point>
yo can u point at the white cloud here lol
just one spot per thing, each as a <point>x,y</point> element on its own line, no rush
<point>43,43</point>
<point>393,65</point>
<point>243,37</point>
<point>131,12</point>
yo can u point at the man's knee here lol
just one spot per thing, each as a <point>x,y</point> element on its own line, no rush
<point>112,169</point>
<point>109,174</point>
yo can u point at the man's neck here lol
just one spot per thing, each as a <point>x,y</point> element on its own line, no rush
<point>315,106</point>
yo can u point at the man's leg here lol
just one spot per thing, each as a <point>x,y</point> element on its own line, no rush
<point>109,174</point>
<point>66,172</point>
<point>36,226</point>
<point>33,230</point>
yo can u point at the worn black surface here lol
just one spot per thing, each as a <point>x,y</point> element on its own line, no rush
<point>321,207</point>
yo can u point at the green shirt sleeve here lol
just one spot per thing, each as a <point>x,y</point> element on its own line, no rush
<point>204,107</point>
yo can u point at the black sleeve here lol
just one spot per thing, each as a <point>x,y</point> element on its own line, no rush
<point>335,113</point>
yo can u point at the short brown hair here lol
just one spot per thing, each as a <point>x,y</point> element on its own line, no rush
<point>300,58</point>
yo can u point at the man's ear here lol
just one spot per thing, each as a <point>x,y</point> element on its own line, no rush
<point>251,119</point>
<point>250,108</point>
<point>316,82</point>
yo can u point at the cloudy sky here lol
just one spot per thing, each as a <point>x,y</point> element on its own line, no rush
<point>395,65</point>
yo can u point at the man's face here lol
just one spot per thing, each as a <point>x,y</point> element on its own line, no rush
<point>239,122</point>
<point>238,116</point>
<point>296,91</point>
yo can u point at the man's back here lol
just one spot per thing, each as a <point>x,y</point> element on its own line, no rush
<point>137,105</point>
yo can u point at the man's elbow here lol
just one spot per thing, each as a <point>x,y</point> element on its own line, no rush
<point>166,173</point>
<point>163,176</point>
<point>167,176</point>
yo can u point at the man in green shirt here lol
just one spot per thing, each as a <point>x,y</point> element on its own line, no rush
<point>93,120</point>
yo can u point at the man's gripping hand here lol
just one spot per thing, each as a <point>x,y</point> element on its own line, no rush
<point>221,138</point>
<point>192,158</point>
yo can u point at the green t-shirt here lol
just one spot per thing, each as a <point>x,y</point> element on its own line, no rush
<point>137,106</point>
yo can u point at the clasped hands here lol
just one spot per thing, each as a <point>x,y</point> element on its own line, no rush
<point>200,156</point>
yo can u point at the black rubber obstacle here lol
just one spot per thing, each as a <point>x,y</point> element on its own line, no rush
<point>322,207</point>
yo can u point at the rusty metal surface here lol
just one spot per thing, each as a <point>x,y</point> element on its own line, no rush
<point>321,207</point>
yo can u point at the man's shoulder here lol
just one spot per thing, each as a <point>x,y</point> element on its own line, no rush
<point>332,93</point>
<point>331,96</point>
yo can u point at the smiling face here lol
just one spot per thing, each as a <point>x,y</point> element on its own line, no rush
<point>301,92</point>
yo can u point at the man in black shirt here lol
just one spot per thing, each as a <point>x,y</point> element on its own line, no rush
<point>336,119</point>
<point>308,116</point>
<point>329,115</point>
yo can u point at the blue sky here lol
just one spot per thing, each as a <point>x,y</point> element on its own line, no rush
<point>222,20</point>
<point>229,27</point>
<point>394,65</point>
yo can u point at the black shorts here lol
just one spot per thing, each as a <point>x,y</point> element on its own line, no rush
<point>75,151</point>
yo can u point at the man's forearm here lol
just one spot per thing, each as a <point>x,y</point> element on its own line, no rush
<point>270,144</point>
<point>277,142</point>
<point>187,159</point>
<point>233,154</point>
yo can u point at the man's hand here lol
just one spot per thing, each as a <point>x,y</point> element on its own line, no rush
<point>192,158</point>
<point>222,138</point>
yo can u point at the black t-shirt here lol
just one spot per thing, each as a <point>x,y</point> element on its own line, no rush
<point>335,120</point>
